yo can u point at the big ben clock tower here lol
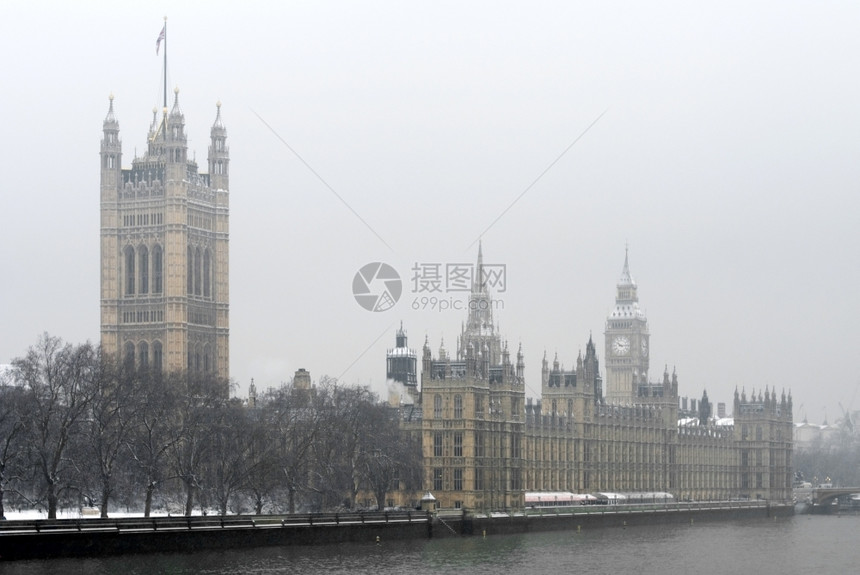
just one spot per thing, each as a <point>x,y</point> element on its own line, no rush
<point>627,342</point>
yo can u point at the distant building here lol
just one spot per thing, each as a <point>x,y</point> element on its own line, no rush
<point>401,369</point>
<point>810,435</point>
<point>485,445</point>
<point>302,379</point>
<point>164,248</point>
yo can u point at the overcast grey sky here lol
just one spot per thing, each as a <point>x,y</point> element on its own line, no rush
<point>727,159</point>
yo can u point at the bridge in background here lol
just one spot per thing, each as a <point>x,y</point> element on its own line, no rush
<point>821,499</point>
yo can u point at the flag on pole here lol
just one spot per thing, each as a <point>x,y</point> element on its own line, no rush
<point>160,38</point>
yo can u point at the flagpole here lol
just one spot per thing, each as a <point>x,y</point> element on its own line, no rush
<point>165,62</point>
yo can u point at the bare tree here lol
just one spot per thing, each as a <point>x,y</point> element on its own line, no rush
<point>230,457</point>
<point>196,402</point>
<point>12,418</point>
<point>338,466</point>
<point>263,475</point>
<point>157,431</point>
<point>390,458</point>
<point>113,415</point>
<point>57,377</point>
<point>293,417</point>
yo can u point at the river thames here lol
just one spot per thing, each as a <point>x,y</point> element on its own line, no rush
<point>801,544</point>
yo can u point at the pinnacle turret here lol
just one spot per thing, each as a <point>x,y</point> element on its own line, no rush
<point>176,110</point>
<point>111,117</point>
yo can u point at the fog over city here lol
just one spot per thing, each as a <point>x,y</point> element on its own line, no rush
<point>717,142</point>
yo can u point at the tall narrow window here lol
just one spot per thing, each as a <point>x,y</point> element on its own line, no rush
<point>129,354</point>
<point>190,273</point>
<point>437,444</point>
<point>458,444</point>
<point>207,271</point>
<point>458,407</point>
<point>437,406</point>
<point>157,269</point>
<point>143,255</point>
<point>458,479</point>
<point>144,354</point>
<point>129,270</point>
<point>157,361</point>
<point>197,272</point>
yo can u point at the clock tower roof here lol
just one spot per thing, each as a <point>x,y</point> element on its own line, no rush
<point>626,297</point>
<point>626,279</point>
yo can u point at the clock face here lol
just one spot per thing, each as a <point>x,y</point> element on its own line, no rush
<point>621,345</point>
<point>644,348</point>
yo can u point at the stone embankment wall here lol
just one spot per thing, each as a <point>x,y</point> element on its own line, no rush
<point>606,517</point>
<point>77,538</point>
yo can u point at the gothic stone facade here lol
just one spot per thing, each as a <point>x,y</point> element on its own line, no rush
<point>164,252</point>
<point>484,444</point>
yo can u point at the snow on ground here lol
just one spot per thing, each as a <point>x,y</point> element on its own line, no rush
<point>86,513</point>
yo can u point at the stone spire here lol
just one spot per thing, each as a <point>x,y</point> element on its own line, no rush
<point>626,279</point>
<point>480,328</point>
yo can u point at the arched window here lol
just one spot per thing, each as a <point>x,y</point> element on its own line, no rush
<point>197,272</point>
<point>143,350</point>
<point>437,406</point>
<point>458,407</point>
<point>190,272</point>
<point>157,361</point>
<point>143,256</point>
<point>129,270</point>
<point>206,366</point>
<point>157,269</point>
<point>129,354</point>
<point>206,273</point>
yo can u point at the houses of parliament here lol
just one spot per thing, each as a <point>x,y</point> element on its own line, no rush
<point>164,305</point>
<point>484,444</point>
